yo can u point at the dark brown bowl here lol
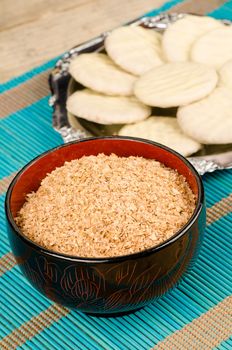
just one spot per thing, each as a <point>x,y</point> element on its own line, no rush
<point>105,285</point>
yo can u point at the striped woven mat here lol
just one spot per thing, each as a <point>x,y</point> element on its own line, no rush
<point>196,315</point>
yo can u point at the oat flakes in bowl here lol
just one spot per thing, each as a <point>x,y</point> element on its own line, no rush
<point>104,206</point>
<point>133,249</point>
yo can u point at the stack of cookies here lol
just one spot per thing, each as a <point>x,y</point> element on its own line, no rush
<point>189,67</point>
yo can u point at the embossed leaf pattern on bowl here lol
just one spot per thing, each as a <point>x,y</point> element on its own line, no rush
<point>81,283</point>
<point>139,288</point>
<point>87,285</point>
<point>33,276</point>
<point>49,271</point>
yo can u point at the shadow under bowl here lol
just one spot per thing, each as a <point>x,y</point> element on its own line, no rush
<point>105,285</point>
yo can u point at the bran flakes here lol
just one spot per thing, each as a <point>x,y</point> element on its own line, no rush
<point>102,206</point>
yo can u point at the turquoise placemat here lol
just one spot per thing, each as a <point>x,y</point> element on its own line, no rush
<point>196,315</point>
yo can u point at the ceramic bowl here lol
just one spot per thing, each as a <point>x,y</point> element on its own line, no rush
<point>105,285</point>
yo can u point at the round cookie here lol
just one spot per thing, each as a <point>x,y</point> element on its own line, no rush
<point>209,121</point>
<point>164,130</point>
<point>175,84</point>
<point>134,48</point>
<point>214,48</point>
<point>98,72</point>
<point>104,109</point>
<point>179,36</point>
<point>225,75</point>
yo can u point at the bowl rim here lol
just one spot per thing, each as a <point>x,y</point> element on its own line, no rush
<point>120,258</point>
